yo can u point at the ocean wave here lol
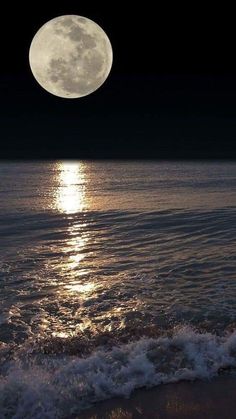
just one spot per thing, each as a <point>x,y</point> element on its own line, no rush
<point>57,386</point>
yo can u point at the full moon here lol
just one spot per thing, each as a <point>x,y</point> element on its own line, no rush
<point>70,56</point>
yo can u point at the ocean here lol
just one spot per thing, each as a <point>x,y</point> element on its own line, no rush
<point>114,276</point>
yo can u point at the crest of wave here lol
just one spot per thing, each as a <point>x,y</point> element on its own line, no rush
<point>53,386</point>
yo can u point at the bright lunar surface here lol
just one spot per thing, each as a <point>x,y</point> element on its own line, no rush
<point>70,56</point>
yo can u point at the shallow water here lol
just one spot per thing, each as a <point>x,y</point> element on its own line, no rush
<point>97,255</point>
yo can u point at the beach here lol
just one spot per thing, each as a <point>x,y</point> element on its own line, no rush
<point>215,399</point>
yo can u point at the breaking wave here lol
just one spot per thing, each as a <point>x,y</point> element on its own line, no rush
<point>57,385</point>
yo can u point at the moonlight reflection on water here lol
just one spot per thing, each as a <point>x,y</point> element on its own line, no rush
<point>70,196</point>
<point>97,246</point>
<point>71,200</point>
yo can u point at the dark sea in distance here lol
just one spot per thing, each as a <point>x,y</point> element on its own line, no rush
<point>113,276</point>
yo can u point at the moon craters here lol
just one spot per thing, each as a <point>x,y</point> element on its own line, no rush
<point>71,56</point>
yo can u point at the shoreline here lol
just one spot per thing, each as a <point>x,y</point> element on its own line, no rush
<point>182,400</point>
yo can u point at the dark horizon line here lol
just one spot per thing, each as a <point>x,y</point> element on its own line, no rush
<point>118,158</point>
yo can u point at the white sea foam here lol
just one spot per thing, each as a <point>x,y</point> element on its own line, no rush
<point>54,387</point>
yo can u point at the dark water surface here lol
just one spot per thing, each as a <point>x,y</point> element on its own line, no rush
<point>113,276</point>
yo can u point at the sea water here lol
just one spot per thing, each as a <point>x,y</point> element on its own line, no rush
<point>114,275</point>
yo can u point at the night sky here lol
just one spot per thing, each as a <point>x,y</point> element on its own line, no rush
<point>171,93</point>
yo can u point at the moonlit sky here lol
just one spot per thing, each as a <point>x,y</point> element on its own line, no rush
<point>70,56</point>
<point>171,92</point>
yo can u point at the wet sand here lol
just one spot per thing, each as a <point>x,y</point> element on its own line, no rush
<point>196,400</point>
